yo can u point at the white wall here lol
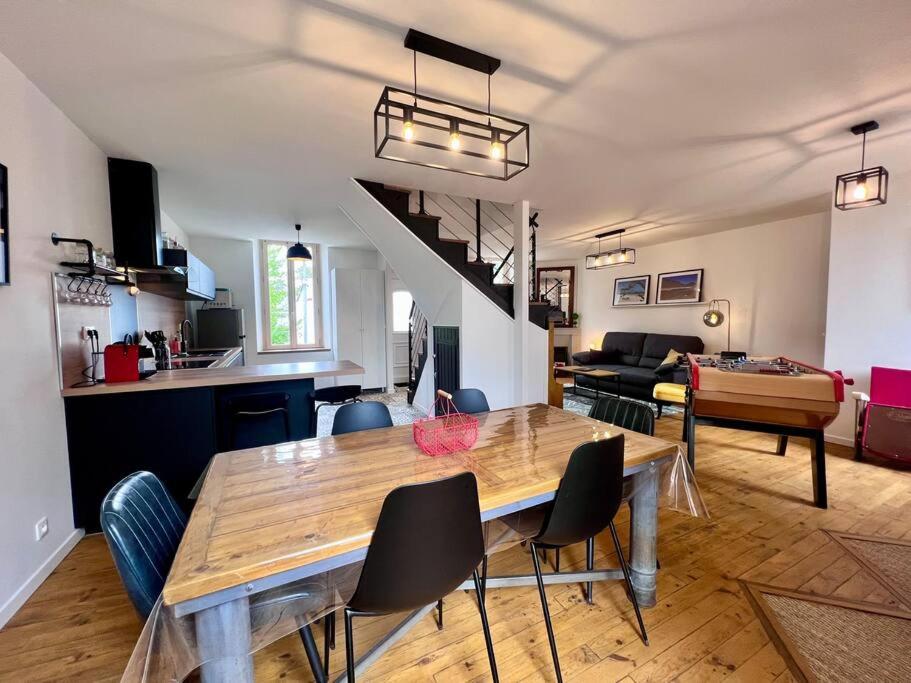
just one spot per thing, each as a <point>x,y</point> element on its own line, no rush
<point>57,182</point>
<point>775,275</point>
<point>869,307</point>
<point>175,231</point>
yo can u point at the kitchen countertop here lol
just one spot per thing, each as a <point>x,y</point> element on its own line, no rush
<point>214,376</point>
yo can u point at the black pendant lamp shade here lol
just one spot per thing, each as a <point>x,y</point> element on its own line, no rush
<point>298,252</point>
<point>866,187</point>
<point>426,131</point>
<point>612,257</point>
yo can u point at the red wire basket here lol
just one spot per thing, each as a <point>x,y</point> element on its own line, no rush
<point>449,432</point>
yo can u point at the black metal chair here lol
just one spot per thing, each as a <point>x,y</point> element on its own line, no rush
<point>470,401</point>
<point>356,417</point>
<point>143,526</point>
<point>586,502</point>
<point>622,412</point>
<point>259,420</point>
<point>428,540</point>
<point>335,396</point>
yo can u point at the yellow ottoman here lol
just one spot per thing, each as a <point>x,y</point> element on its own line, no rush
<point>670,392</point>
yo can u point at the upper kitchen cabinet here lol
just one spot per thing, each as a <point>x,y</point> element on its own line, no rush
<point>136,223</point>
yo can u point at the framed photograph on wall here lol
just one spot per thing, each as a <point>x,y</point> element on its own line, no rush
<point>632,291</point>
<point>680,287</point>
<point>4,227</point>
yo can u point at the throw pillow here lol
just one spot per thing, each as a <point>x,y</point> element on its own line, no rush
<point>668,364</point>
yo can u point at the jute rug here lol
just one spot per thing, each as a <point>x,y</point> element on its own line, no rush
<point>889,559</point>
<point>828,639</point>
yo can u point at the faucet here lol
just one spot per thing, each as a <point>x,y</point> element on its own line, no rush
<point>184,339</point>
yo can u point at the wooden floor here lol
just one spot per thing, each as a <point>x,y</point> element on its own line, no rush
<point>80,626</point>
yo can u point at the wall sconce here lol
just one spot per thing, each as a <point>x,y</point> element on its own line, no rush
<point>714,317</point>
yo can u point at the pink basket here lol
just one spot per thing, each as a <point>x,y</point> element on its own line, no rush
<point>450,432</point>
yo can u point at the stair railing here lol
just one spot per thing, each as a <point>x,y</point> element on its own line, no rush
<point>417,343</point>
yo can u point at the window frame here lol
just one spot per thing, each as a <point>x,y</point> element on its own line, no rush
<point>266,330</point>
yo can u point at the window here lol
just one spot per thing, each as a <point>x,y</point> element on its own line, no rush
<point>291,299</point>
<point>401,310</point>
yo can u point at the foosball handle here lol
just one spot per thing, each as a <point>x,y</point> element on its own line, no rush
<point>848,380</point>
<point>443,394</point>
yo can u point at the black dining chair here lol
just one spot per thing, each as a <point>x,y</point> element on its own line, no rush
<point>428,540</point>
<point>258,419</point>
<point>143,526</point>
<point>586,502</point>
<point>470,401</point>
<point>356,417</point>
<point>624,413</point>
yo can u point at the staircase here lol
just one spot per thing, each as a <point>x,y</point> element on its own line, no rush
<point>454,251</point>
<point>417,349</point>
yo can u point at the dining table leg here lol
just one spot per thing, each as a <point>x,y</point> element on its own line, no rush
<point>223,639</point>
<point>644,535</point>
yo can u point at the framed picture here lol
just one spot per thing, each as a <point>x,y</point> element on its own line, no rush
<point>4,227</point>
<point>681,287</point>
<point>632,291</point>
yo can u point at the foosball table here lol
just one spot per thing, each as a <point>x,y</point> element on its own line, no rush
<point>774,395</point>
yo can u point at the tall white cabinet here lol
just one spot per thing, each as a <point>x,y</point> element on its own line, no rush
<point>359,323</point>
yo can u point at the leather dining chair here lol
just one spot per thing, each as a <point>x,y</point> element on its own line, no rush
<point>470,401</point>
<point>427,541</point>
<point>586,502</point>
<point>143,526</point>
<point>356,417</point>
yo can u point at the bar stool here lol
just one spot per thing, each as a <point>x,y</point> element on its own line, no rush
<point>259,420</point>
<point>428,541</point>
<point>335,396</point>
<point>670,392</point>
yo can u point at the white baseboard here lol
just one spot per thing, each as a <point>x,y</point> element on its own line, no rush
<point>840,440</point>
<point>37,578</point>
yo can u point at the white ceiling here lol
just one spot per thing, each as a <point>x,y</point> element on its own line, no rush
<point>673,117</point>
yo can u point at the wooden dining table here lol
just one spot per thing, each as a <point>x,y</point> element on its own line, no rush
<point>270,516</point>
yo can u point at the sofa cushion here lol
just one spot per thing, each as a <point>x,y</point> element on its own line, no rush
<point>640,377</point>
<point>592,358</point>
<point>628,345</point>
<point>655,347</point>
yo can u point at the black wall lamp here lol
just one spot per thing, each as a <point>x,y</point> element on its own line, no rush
<point>613,257</point>
<point>298,252</point>
<point>715,318</point>
<point>426,131</point>
<point>866,187</point>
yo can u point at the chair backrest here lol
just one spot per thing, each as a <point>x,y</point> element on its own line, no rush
<point>428,540</point>
<point>259,419</point>
<point>356,417</point>
<point>470,401</point>
<point>589,494</point>
<point>622,412</point>
<point>143,526</point>
<point>890,387</point>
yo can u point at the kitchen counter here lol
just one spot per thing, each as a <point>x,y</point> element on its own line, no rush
<point>215,376</point>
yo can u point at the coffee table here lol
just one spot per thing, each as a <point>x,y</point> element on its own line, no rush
<point>597,375</point>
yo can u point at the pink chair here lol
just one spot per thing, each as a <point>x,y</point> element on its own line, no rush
<point>884,417</point>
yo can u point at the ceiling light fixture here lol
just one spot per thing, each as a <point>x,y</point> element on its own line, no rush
<point>426,131</point>
<point>613,257</point>
<point>866,187</point>
<point>298,252</point>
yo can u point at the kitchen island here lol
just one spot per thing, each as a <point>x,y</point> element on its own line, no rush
<point>172,424</point>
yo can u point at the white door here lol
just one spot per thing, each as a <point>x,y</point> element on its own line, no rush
<point>346,307</point>
<point>401,311</point>
<point>373,328</point>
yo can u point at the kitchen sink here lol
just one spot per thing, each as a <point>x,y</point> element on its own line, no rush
<point>185,364</point>
<point>207,353</point>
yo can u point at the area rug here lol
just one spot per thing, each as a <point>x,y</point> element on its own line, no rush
<point>397,402</point>
<point>889,559</point>
<point>828,639</point>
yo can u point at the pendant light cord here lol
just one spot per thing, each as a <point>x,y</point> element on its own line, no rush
<point>415,72</point>
<point>863,152</point>
<point>488,99</point>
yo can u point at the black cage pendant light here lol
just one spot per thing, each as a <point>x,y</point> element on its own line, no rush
<point>298,252</point>
<point>866,187</point>
<point>426,131</point>
<point>612,257</point>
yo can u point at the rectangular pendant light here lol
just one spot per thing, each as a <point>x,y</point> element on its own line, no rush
<point>612,257</point>
<point>866,187</point>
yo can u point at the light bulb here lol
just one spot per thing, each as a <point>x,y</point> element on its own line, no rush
<point>454,137</point>
<point>133,290</point>
<point>860,190</point>
<point>408,125</point>
<point>497,149</point>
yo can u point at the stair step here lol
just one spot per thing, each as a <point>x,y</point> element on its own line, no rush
<point>424,215</point>
<point>453,241</point>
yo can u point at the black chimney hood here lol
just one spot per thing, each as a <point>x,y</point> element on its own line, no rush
<point>135,213</point>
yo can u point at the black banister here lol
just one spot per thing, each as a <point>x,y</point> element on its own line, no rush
<point>496,271</point>
<point>477,227</point>
<point>421,203</point>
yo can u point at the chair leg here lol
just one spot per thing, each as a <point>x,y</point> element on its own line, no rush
<point>327,639</point>
<point>589,565</point>
<point>484,578</point>
<point>660,409</point>
<point>629,583</point>
<point>440,611</point>
<point>349,644</point>
<point>486,626</point>
<point>550,628</point>
<point>557,560</point>
<point>310,648</point>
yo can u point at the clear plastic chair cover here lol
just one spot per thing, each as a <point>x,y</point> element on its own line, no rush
<point>167,649</point>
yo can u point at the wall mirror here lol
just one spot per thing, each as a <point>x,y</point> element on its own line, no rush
<point>4,227</point>
<point>556,284</point>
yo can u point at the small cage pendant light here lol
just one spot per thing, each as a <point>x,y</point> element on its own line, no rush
<point>866,187</point>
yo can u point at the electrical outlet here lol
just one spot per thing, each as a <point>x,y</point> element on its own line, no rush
<point>41,529</point>
<point>86,332</point>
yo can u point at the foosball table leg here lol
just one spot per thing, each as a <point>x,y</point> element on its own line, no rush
<point>818,466</point>
<point>782,444</point>
<point>691,439</point>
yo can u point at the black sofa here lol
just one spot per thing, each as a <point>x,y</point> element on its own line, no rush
<point>636,357</point>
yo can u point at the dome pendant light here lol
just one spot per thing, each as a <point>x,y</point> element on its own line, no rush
<point>298,252</point>
<point>866,187</point>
